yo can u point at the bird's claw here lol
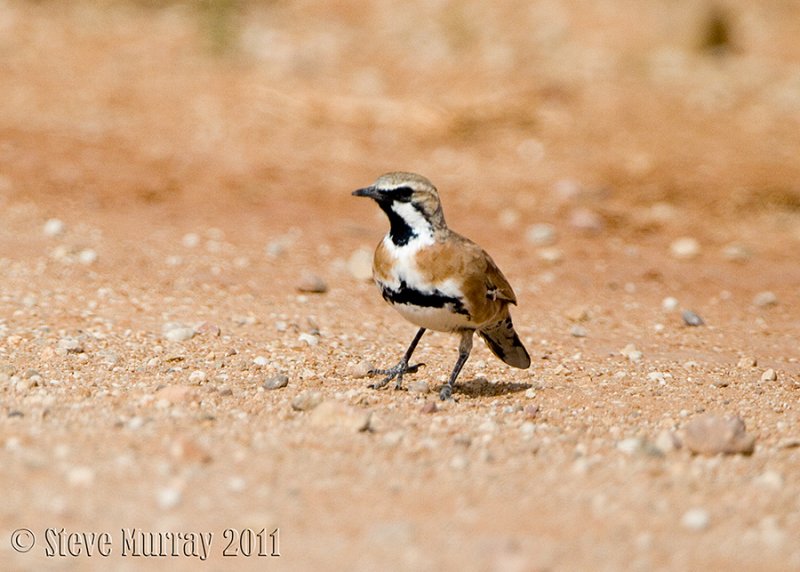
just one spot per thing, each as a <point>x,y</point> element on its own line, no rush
<point>446,393</point>
<point>397,372</point>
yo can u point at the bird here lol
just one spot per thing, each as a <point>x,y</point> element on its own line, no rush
<point>438,279</point>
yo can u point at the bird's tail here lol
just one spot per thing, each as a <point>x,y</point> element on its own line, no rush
<point>505,343</point>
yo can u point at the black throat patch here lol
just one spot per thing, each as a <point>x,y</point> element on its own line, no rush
<point>400,231</point>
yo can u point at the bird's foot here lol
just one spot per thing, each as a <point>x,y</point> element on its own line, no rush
<point>446,392</point>
<point>397,372</point>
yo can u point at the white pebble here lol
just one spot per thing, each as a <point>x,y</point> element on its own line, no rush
<point>169,498</point>
<point>190,240</point>
<point>80,476</point>
<point>685,248</point>
<point>696,519</point>
<point>309,339</point>
<point>631,353</point>
<point>508,218</point>
<point>669,304</point>
<point>87,256</point>
<point>180,334</point>
<point>579,331</point>
<point>541,234</point>
<point>260,361</point>
<point>658,376</point>
<point>197,376</point>
<point>630,446</point>
<point>550,254</point>
<point>766,298</point>
<point>769,480</point>
<point>53,227</point>
<point>769,375</point>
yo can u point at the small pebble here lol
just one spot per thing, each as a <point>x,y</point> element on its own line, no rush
<point>419,387</point>
<point>685,248</point>
<point>308,339</point>
<point>197,376</point>
<point>691,319</point>
<point>53,227</point>
<point>696,519</point>
<point>747,362</point>
<point>769,375</point>
<point>169,497</point>
<point>764,299</point>
<point>586,221</point>
<point>310,282</point>
<point>769,480</point>
<point>260,361</point>
<point>306,401</point>
<point>429,407</point>
<point>550,254</point>
<point>578,331</point>
<point>207,328</point>
<point>541,234</point>
<point>69,345</point>
<point>531,411</point>
<point>736,253</point>
<point>577,314</point>
<point>175,394</point>
<point>179,334</point>
<point>87,256</point>
<point>669,304</point>
<point>80,476</point>
<point>631,353</point>
<point>712,434</point>
<point>190,240</point>
<point>666,442</point>
<point>332,413</point>
<point>630,446</point>
<point>508,218</point>
<point>276,382</point>
<point>189,451</point>
<point>361,369</point>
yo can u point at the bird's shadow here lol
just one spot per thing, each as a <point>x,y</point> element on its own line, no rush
<point>482,387</point>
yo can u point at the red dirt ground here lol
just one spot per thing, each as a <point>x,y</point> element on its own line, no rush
<point>201,158</point>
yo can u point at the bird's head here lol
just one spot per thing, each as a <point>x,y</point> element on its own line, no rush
<point>409,200</point>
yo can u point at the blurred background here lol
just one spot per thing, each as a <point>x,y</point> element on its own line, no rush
<point>626,103</point>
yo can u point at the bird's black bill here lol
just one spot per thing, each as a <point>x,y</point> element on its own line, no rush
<point>370,192</point>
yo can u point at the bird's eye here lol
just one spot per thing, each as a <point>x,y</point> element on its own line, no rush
<point>403,194</point>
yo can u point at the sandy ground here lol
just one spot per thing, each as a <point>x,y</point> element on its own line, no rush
<point>195,166</point>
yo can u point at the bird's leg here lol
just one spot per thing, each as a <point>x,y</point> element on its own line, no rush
<point>463,353</point>
<point>401,368</point>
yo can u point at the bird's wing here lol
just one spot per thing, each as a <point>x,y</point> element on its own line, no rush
<point>497,286</point>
